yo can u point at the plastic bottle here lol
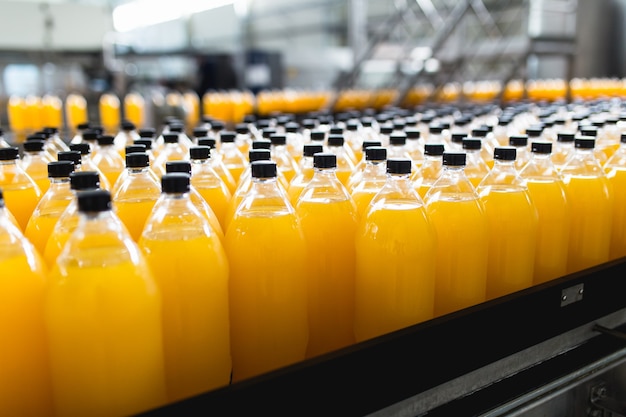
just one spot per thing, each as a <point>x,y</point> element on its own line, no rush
<point>75,110</point>
<point>243,140</point>
<point>72,156</point>
<point>21,193</point>
<point>475,167</point>
<point>103,319</point>
<point>24,366</point>
<point>55,142</point>
<point>615,168</point>
<point>268,279</point>
<point>35,163</point>
<point>110,112</point>
<point>414,145</point>
<point>51,206</point>
<point>522,150</point>
<point>172,150</point>
<point>305,172</point>
<point>287,165</point>
<point>108,160</point>
<point>90,136</point>
<point>191,269</point>
<point>396,245</point>
<point>136,195</point>
<point>178,127</point>
<point>487,146</point>
<point>218,165</point>
<point>328,217</point>
<point>460,221</point>
<point>65,225</point>
<point>345,165</point>
<point>87,163</point>
<point>354,139</point>
<point>547,192</point>
<point>295,141</point>
<point>78,134</point>
<point>3,141</point>
<point>210,186</point>
<point>232,158</point>
<point>430,170</point>
<point>126,136</point>
<point>563,149</point>
<point>591,203</point>
<point>512,226</point>
<point>373,179</point>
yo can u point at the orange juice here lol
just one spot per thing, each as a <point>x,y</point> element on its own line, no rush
<point>617,177</point>
<point>133,212</point>
<point>75,110</point>
<point>297,183</point>
<point>234,160</point>
<point>430,170</point>
<point>134,105</point>
<point>52,111</point>
<point>21,193</point>
<point>109,107</point>
<point>108,160</point>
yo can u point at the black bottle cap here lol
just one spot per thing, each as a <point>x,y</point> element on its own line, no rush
<point>366,121</point>
<point>268,132</point>
<point>623,138</point>
<point>565,137</point>
<point>178,166</point>
<point>263,169</point>
<point>83,147</point>
<point>367,143</point>
<point>175,183</point>
<point>60,169</point>
<point>398,166</point>
<point>98,129</point>
<point>73,156</point>
<point>458,137</point>
<point>534,132</point>
<point>518,140</point>
<point>435,129</point>
<point>542,147</point>
<point>177,127</point>
<point>147,132</point>
<point>399,124</point>
<point>199,152</point>
<point>127,125</point>
<point>91,134</point>
<point>335,140</point>
<point>228,137</point>
<point>36,136</point>
<point>598,123</point>
<point>242,128</point>
<point>397,139</point>
<point>585,142</point>
<point>45,134</point>
<point>83,126</point>
<point>263,124</point>
<point>325,160</point>
<point>262,144</point>
<point>433,149</point>
<point>105,140</point>
<point>376,153</point>
<point>135,147</point>
<point>352,126</point>
<point>94,201</point>
<point>480,132</point>
<point>8,154</point>
<point>35,145</point>
<point>249,118</point>
<point>51,130</point>
<point>309,124</point>
<point>318,135</point>
<point>137,160</point>
<point>145,142</point>
<point>386,129</point>
<point>292,127</point>
<point>471,143</point>
<point>2,205</point>
<point>456,159</point>
<point>278,139</point>
<point>589,131</point>
<point>170,137</point>
<point>311,149</point>
<point>84,180</point>
<point>411,133</point>
<point>335,130</point>
<point>505,153</point>
<point>206,141</point>
<point>200,132</point>
<point>259,155</point>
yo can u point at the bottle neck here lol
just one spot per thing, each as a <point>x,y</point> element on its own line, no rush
<point>59,181</point>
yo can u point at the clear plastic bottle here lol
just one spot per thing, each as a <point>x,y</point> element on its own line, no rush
<point>295,141</point>
<point>354,139</point>
<point>234,160</point>
<point>476,169</point>
<point>460,222</point>
<point>53,203</point>
<point>522,150</point>
<point>287,166</point>
<point>431,169</point>
<point>414,145</point>
<point>345,165</point>
<point>172,150</point>
<point>563,149</point>
<point>512,226</point>
<point>615,168</point>
<point>87,164</point>
<point>108,160</point>
<point>78,135</point>
<point>268,277</point>
<point>54,141</point>
<point>103,319</point>
<point>126,136</point>
<point>328,217</point>
<point>90,136</point>
<point>136,195</point>
<point>243,140</point>
<point>488,146</point>
<point>355,177</point>
<point>305,173</point>
<point>373,179</point>
<point>35,163</point>
<point>21,193</point>
<point>396,245</point>
<point>190,266</point>
<point>547,192</point>
<point>218,165</point>
<point>590,196</point>
<point>178,127</point>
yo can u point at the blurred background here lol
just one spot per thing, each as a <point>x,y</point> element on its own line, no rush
<point>65,62</point>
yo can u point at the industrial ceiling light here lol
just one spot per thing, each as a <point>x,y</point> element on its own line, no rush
<point>141,13</point>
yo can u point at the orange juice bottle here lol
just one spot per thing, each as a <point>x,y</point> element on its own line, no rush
<point>17,114</point>
<point>415,147</point>
<point>295,141</point>
<point>522,150</point>
<point>488,145</point>
<point>110,112</point>
<point>21,193</point>
<point>476,169</point>
<point>218,165</point>
<point>135,148</point>
<point>108,160</point>
<point>591,203</point>
<point>512,226</point>
<point>563,149</point>
<point>87,164</point>
<point>547,192</point>
<point>268,279</point>
<point>54,139</point>
<point>172,150</point>
<point>24,366</point>
<point>373,179</point>
<point>72,156</point>
<point>103,319</point>
<point>190,266</point>
<point>210,186</point>
<point>234,160</point>
<point>357,174</point>
<point>35,163</point>
<point>615,168</point>
<point>459,218</point>
<point>134,106</point>
<point>51,205</point>
<point>147,144</point>
<point>396,245</point>
<point>243,140</point>
<point>135,197</point>
<point>178,127</point>
<point>65,225</point>
<point>34,112</point>
<point>345,164</point>
<point>75,111</point>
<point>287,165</point>
<point>125,136</point>
<point>430,170</point>
<point>328,217</point>
<point>52,111</point>
<point>305,172</point>
<point>90,137</point>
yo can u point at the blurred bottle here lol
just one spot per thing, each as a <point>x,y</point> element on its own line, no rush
<point>21,193</point>
<point>108,160</point>
<point>110,112</point>
<point>345,164</point>
<point>615,168</point>
<point>234,160</point>
<point>75,111</point>
<point>134,108</point>
<point>87,163</point>
<point>35,162</point>
<point>125,136</point>
<point>287,165</point>
<point>356,175</point>
<point>172,150</point>
<point>78,134</point>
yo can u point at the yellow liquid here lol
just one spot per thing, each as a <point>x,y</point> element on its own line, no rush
<point>55,244</point>
<point>297,184</point>
<point>512,240</point>
<point>40,228</point>
<point>192,275</point>
<point>76,110</point>
<point>25,386</point>
<point>21,200</point>
<point>43,184</point>
<point>462,245</point>
<point>218,199</point>
<point>268,296</point>
<point>591,205</point>
<point>395,270</point>
<point>104,330</point>
<point>329,228</point>
<point>618,234</point>
<point>550,200</point>
<point>134,213</point>
<point>109,107</point>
